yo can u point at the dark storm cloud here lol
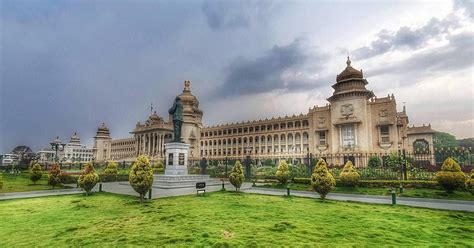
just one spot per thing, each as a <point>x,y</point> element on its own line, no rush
<point>234,14</point>
<point>406,37</point>
<point>279,68</point>
<point>456,55</point>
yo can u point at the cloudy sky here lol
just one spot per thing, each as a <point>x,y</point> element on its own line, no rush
<point>67,66</point>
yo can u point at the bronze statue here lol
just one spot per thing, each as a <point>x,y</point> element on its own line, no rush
<point>177,112</point>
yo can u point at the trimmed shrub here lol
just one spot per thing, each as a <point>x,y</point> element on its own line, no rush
<point>349,176</point>
<point>236,176</point>
<point>158,167</point>
<point>283,173</point>
<point>470,183</point>
<point>110,172</point>
<point>141,176</point>
<point>54,175</point>
<point>418,184</point>
<point>36,172</point>
<point>322,181</point>
<point>374,162</point>
<point>68,178</point>
<point>88,179</point>
<point>450,177</point>
<point>302,180</point>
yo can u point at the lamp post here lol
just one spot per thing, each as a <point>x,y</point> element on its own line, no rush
<point>247,163</point>
<point>56,145</point>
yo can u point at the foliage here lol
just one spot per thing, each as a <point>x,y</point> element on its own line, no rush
<point>375,162</point>
<point>322,181</point>
<point>382,183</point>
<point>266,172</point>
<point>298,170</point>
<point>302,180</point>
<point>283,173</point>
<point>236,176</point>
<point>1,180</point>
<point>450,177</point>
<point>349,175</point>
<point>269,163</point>
<point>158,167</point>
<point>36,172</point>
<point>466,143</point>
<point>88,179</point>
<point>54,175</point>
<point>470,183</point>
<point>141,176</point>
<point>110,172</point>
<point>444,140</point>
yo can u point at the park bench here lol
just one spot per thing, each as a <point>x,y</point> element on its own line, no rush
<point>200,187</point>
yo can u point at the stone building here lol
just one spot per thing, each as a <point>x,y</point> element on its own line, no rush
<point>353,124</point>
<point>149,137</point>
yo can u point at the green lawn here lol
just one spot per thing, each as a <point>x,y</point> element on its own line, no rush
<point>21,183</point>
<point>408,192</point>
<point>222,219</point>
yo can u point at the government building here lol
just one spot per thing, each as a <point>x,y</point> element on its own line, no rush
<point>352,125</point>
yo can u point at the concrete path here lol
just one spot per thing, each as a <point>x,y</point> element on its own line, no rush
<point>407,201</point>
<point>39,193</point>
<point>125,189</point>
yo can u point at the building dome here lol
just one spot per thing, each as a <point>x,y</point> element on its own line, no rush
<point>103,131</point>
<point>349,72</point>
<point>189,101</point>
<point>75,139</point>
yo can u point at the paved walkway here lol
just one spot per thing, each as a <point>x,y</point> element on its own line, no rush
<point>39,193</point>
<point>407,201</point>
<point>125,189</point>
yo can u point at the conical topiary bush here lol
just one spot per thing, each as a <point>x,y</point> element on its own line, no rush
<point>450,177</point>
<point>236,176</point>
<point>322,180</point>
<point>349,175</point>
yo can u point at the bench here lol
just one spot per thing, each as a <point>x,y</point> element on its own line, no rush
<point>200,187</point>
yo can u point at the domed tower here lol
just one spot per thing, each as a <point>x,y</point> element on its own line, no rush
<point>350,83</point>
<point>75,139</point>
<point>102,143</point>
<point>192,120</point>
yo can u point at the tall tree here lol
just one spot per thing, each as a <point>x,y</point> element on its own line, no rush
<point>443,140</point>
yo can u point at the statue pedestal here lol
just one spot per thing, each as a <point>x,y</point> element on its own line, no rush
<point>176,172</point>
<point>176,158</point>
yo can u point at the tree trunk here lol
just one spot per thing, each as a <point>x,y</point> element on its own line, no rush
<point>141,198</point>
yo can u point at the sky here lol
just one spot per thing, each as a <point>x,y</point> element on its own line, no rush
<point>68,66</point>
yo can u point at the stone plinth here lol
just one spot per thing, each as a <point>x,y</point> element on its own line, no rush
<point>176,159</point>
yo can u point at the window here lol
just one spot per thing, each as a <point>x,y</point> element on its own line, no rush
<point>348,136</point>
<point>322,138</point>
<point>384,134</point>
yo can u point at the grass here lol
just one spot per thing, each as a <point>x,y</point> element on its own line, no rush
<point>223,220</point>
<point>407,192</point>
<point>22,183</point>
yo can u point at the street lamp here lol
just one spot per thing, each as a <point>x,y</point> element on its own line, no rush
<point>56,145</point>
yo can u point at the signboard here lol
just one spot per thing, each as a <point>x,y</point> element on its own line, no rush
<point>170,159</point>
<point>181,159</point>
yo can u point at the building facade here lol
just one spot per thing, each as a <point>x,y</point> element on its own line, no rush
<point>351,125</point>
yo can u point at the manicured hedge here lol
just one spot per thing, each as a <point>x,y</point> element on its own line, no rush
<point>396,183</point>
<point>383,183</point>
<point>72,178</point>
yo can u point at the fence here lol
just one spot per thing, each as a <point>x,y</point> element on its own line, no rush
<point>371,166</point>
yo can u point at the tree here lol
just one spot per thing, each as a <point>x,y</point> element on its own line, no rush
<point>1,180</point>
<point>469,183</point>
<point>158,167</point>
<point>111,171</point>
<point>322,181</point>
<point>36,172</point>
<point>88,179</point>
<point>54,175</point>
<point>467,143</point>
<point>141,176</point>
<point>236,176</point>
<point>443,140</point>
<point>375,162</point>
<point>283,172</point>
<point>450,177</point>
<point>349,175</point>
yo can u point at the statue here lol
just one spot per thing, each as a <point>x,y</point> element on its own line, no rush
<point>177,112</point>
